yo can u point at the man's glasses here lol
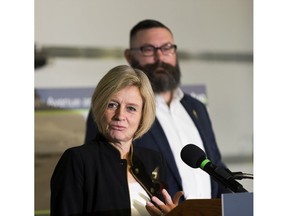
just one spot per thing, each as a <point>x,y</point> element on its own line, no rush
<point>149,50</point>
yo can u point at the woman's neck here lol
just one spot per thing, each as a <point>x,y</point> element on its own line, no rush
<point>123,148</point>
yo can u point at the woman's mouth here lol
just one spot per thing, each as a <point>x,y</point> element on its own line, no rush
<point>117,127</point>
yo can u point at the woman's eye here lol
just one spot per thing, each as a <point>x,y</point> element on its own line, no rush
<point>131,108</point>
<point>112,105</point>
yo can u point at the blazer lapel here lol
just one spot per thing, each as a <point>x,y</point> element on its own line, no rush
<point>159,136</point>
<point>193,113</point>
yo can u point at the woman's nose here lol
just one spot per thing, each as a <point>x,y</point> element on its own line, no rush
<point>119,114</point>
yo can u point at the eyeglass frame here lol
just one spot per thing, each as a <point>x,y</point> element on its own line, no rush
<point>173,48</point>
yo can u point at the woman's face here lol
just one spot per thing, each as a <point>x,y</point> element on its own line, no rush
<point>123,115</point>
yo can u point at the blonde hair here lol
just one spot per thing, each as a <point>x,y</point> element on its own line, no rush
<point>115,80</point>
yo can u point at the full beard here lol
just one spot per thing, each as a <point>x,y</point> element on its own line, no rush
<point>163,77</point>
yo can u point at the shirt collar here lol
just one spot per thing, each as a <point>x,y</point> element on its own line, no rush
<point>178,94</point>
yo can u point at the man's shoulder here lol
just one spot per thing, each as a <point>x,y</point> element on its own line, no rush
<point>188,99</point>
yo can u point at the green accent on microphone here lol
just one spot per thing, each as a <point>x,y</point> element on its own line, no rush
<point>204,162</point>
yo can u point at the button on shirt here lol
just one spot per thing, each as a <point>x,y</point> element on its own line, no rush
<point>180,130</point>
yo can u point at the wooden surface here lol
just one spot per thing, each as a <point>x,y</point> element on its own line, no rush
<point>198,207</point>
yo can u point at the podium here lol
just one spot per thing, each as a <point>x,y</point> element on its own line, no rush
<point>234,204</point>
<point>197,207</point>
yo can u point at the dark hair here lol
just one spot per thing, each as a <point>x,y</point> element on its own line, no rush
<point>146,24</point>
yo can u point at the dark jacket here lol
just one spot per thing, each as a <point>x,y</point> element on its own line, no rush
<point>91,179</point>
<point>156,139</point>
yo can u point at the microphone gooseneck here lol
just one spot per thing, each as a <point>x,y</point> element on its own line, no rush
<point>240,175</point>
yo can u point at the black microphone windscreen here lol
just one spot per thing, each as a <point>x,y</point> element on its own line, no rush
<point>192,155</point>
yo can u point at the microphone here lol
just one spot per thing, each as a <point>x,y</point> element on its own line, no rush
<point>195,157</point>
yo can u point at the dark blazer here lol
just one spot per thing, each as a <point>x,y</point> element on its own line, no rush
<point>156,139</point>
<point>91,179</point>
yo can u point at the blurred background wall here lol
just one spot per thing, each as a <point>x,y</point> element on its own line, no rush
<point>79,41</point>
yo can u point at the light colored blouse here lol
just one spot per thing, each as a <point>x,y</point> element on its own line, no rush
<point>138,199</point>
